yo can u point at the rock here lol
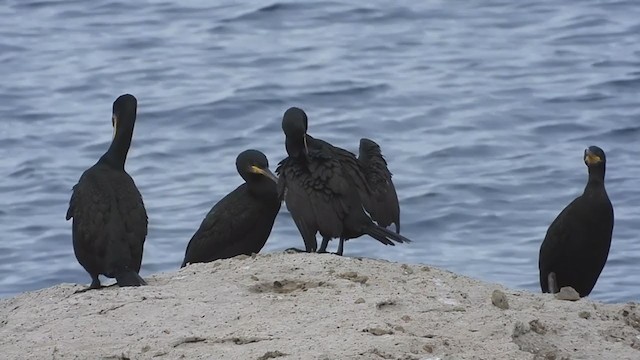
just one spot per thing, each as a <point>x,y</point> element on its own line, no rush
<point>188,340</point>
<point>406,269</point>
<point>348,275</point>
<point>584,314</point>
<point>568,293</point>
<point>537,327</point>
<point>382,304</point>
<point>378,331</point>
<point>520,329</point>
<point>499,299</point>
<point>353,276</point>
<point>399,328</point>
<point>631,315</point>
<point>233,316</point>
<point>271,355</point>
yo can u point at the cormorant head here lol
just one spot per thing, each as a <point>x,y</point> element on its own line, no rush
<point>124,112</point>
<point>596,161</point>
<point>294,125</point>
<point>594,156</point>
<point>253,163</point>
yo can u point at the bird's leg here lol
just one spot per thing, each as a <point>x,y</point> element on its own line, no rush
<point>323,246</point>
<point>95,284</point>
<point>553,282</point>
<point>310,243</point>
<point>340,247</point>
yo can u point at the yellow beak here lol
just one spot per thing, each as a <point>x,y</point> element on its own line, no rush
<point>265,172</point>
<point>591,158</point>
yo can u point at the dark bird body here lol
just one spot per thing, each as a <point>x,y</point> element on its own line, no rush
<point>576,246</point>
<point>109,219</point>
<point>241,222</point>
<point>382,203</point>
<point>323,187</point>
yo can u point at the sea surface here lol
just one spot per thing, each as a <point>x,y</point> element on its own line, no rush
<point>483,110</point>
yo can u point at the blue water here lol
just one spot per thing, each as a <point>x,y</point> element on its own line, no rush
<point>482,109</point>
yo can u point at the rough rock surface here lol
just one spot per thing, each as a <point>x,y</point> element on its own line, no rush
<point>311,306</point>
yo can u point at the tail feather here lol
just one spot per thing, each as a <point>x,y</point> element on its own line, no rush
<point>129,278</point>
<point>385,236</point>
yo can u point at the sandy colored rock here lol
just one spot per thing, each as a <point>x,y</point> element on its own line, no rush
<point>568,293</point>
<point>271,355</point>
<point>499,299</point>
<point>584,314</point>
<point>406,269</point>
<point>303,306</point>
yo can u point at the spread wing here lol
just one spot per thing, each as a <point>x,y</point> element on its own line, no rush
<point>382,204</point>
<point>350,167</point>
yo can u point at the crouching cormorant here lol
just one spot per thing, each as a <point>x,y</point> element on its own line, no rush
<point>576,246</point>
<point>323,186</point>
<point>109,219</point>
<point>241,222</point>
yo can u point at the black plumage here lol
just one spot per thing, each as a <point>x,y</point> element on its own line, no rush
<point>241,222</point>
<point>323,186</point>
<point>109,219</point>
<point>576,246</point>
<point>382,204</point>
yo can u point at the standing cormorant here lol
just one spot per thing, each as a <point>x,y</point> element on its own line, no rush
<point>576,246</point>
<point>382,204</point>
<point>241,222</point>
<point>322,186</point>
<point>109,218</point>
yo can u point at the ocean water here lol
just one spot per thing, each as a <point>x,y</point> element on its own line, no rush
<point>482,109</point>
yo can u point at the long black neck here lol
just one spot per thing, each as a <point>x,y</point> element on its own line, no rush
<point>117,153</point>
<point>596,176</point>
<point>262,187</point>
<point>295,146</point>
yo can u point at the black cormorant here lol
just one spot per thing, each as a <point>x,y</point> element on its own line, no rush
<point>109,218</point>
<point>322,186</point>
<point>576,246</point>
<point>241,222</point>
<point>382,204</point>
